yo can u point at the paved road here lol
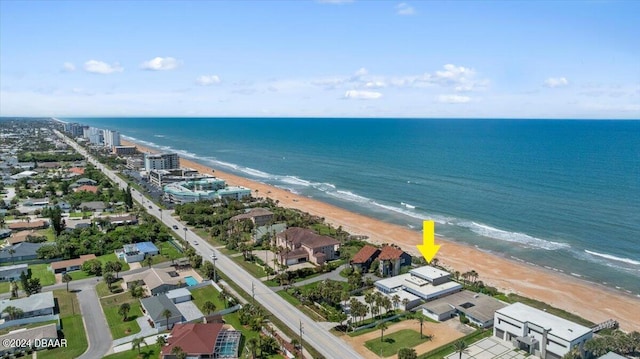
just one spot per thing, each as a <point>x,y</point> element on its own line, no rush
<point>314,334</point>
<point>95,323</point>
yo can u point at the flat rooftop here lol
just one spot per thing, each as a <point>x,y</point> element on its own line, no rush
<point>560,327</point>
<point>429,273</point>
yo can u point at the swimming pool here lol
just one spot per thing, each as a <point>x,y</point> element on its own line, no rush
<point>190,281</point>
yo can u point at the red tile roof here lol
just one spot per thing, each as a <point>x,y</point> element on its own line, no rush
<point>364,254</point>
<point>87,188</point>
<point>193,338</point>
<point>27,225</point>
<point>77,170</point>
<point>308,238</point>
<point>389,253</point>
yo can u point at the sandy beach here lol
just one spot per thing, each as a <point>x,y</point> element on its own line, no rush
<point>589,300</point>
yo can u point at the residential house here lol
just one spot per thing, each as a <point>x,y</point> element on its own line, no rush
<point>539,333</point>
<point>272,230</point>
<point>123,220</point>
<point>36,305</point>
<point>71,265</point>
<point>258,216</point>
<point>23,251</point>
<point>392,259</point>
<point>4,233</point>
<point>137,252</point>
<point>426,283</point>
<point>19,237</point>
<point>77,171</point>
<point>477,307</point>
<point>95,206</point>
<point>302,245</point>
<point>362,260</point>
<point>37,338</point>
<point>179,295</point>
<point>19,226</point>
<point>86,188</point>
<point>157,280</point>
<point>202,340</point>
<point>11,273</point>
<point>154,307</point>
<point>84,181</point>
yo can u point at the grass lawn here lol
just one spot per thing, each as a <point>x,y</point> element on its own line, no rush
<point>51,237</point>
<point>314,314</point>
<point>119,328</point>
<point>207,293</point>
<point>41,271</point>
<point>250,267</point>
<point>103,291</point>
<point>447,349</point>
<point>167,252</point>
<point>72,327</point>
<point>80,214</point>
<point>111,257</point>
<point>151,350</point>
<point>5,287</point>
<point>405,338</point>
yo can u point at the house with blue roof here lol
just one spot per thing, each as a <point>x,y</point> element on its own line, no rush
<point>137,252</point>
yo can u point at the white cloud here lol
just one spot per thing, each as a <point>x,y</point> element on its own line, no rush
<point>68,67</point>
<point>100,67</point>
<point>361,72</point>
<point>160,64</point>
<point>405,9</point>
<point>362,95</point>
<point>556,82</point>
<point>453,99</point>
<point>207,80</point>
<point>375,84</point>
<point>453,73</point>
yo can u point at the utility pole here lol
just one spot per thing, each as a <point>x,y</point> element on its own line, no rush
<point>301,347</point>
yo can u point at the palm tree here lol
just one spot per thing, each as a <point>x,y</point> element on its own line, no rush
<point>14,289</point>
<point>460,347</point>
<point>137,291</point>
<point>434,262</point>
<point>421,320</point>
<point>382,326</point>
<point>405,302</point>
<point>369,299</point>
<point>252,344</point>
<point>223,295</point>
<point>124,311</point>
<point>178,352</point>
<point>136,343</point>
<point>13,312</point>
<point>167,314</point>
<point>147,261</point>
<point>396,300</point>
<point>160,340</point>
<point>209,307</point>
<point>11,251</point>
<point>66,278</point>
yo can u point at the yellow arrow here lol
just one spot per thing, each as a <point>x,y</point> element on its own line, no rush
<point>428,248</point>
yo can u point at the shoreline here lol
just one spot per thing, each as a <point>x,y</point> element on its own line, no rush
<point>592,301</point>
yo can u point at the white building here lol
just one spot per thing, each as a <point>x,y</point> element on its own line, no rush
<point>538,332</point>
<point>161,161</point>
<point>111,138</point>
<point>208,188</point>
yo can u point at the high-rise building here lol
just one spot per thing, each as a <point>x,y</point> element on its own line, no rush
<point>111,138</point>
<point>161,161</point>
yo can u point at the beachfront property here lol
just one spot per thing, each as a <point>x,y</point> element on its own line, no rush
<point>11,273</point>
<point>363,259</point>
<point>111,138</point>
<point>203,340</point>
<point>135,163</point>
<point>154,307</point>
<point>209,188</point>
<point>304,245</point>
<point>477,307</point>
<point>70,265</point>
<point>36,305</point>
<point>538,332</point>
<point>258,216</point>
<point>391,259</point>
<point>260,232</point>
<point>157,280</point>
<point>424,283</point>
<point>124,150</point>
<point>161,161</point>
<point>137,252</point>
<point>160,178</point>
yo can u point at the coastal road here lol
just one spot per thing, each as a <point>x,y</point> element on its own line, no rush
<point>312,333</point>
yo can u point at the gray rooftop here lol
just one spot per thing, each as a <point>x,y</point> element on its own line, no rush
<point>156,305</point>
<point>22,249</point>
<point>49,331</point>
<point>612,355</point>
<point>35,302</point>
<point>483,307</point>
<point>177,293</point>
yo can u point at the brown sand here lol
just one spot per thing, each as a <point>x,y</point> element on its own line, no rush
<point>442,334</point>
<point>594,302</point>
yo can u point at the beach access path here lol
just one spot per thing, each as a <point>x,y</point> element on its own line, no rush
<point>589,300</point>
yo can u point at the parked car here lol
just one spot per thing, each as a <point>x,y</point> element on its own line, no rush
<point>175,227</point>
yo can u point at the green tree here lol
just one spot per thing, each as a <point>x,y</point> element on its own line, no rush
<point>113,266</point>
<point>66,278</point>
<point>160,340</point>
<point>421,320</point>
<point>148,261</point>
<point>252,345</point>
<point>128,198</point>
<point>33,286</point>
<point>124,311</point>
<point>11,252</point>
<point>382,326</point>
<point>407,353</point>
<point>136,343</point>
<point>136,291</point>
<point>178,352</point>
<point>167,314</point>
<point>13,312</point>
<point>58,224</point>
<point>14,289</point>
<point>460,347</point>
<point>109,278</point>
<point>208,270</point>
<point>209,307</point>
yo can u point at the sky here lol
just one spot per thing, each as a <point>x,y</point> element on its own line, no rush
<point>323,58</point>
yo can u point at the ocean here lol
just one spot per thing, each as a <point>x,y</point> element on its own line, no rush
<point>561,194</point>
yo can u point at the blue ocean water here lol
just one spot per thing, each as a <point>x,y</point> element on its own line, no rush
<point>561,194</point>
